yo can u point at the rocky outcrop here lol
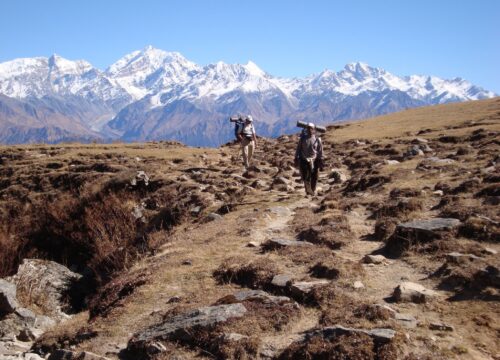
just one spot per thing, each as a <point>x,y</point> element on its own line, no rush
<point>44,283</point>
<point>178,327</point>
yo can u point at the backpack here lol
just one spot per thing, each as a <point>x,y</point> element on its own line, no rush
<point>237,126</point>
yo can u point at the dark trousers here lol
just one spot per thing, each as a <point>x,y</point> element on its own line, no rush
<point>309,177</point>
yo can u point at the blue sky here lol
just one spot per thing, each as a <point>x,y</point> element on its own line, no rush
<point>285,38</point>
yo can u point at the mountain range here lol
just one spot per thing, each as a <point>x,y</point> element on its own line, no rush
<point>153,94</point>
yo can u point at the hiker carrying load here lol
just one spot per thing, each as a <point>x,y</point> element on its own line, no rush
<point>248,140</point>
<point>309,156</point>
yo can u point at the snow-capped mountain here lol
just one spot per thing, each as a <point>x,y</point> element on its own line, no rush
<point>154,94</point>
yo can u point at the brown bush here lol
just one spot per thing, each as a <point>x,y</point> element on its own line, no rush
<point>333,231</point>
<point>355,346</point>
<point>399,209</point>
<point>113,293</point>
<point>481,228</point>
<point>335,268</point>
<point>254,274</point>
<point>384,228</point>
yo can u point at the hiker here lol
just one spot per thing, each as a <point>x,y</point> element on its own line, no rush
<point>248,140</point>
<point>309,158</point>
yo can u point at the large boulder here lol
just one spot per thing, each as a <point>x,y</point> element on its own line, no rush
<point>8,300</point>
<point>45,283</point>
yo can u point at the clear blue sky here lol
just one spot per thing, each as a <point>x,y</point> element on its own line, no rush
<point>285,38</point>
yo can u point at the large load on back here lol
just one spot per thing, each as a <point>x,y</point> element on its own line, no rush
<point>238,121</point>
<point>303,124</point>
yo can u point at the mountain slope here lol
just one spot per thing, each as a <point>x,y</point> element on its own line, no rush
<point>28,122</point>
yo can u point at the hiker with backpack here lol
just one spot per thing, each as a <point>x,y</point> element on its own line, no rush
<point>309,158</point>
<point>248,140</point>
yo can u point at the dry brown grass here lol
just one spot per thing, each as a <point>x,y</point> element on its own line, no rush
<point>407,123</point>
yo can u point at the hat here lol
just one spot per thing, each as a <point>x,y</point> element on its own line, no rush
<point>311,125</point>
<point>249,118</point>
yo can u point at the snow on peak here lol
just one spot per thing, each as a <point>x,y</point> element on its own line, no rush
<point>66,66</point>
<point>253,69</point>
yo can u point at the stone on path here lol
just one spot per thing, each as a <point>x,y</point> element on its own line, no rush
<point>274,244</point>
<point>459,258</point>
<point>282,280</point>
<point>303,288</point>
<point>440,327</point>
<point>254,295</point>
<point>374,259</point>
<point>412,292</point>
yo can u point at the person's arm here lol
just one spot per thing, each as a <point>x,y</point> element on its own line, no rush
<point>254,135</point>
<point>320,154</point>
<point>297,153</point>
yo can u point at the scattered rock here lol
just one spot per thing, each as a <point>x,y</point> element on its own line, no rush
<point>253,244</point>
<point>406,320</point>
<point>138,211</point>
<point>459,258</point>
<point>413,151</point>
<point>489,251</point>
<point>259,184</point>
<point>73,355</point>
<point>8,300</point>
<point>441,327</point>
<point>302,288</point>
<point>412,292</point>
<point>279,210</point>
<point>378,335</point>
<point>274,244</point>
<point>391,162</point>
<point>195,210</point>
<point>140,178</point>
<point>281,280</point>
<point>337,176</point>
<point>358,285</point>
<point>254,295</point>
<point>26,335</point>
<point>213,217</point>
<point>280,180</point>
<point>174,299</point>
<point>374,259</point>
<point>187,262</point>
